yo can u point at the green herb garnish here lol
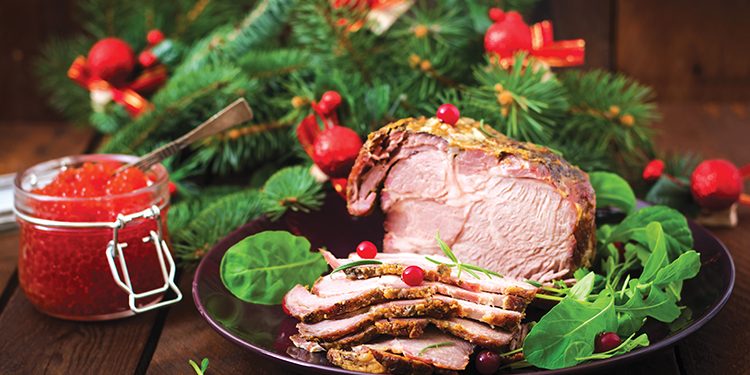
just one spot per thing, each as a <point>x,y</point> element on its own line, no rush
<point>484,131</point>
<point>199,370</point>
<point>469,268</point>
<point>356,263</point>
<point>435,346</point>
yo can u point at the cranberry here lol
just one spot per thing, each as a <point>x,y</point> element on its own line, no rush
<point>448,113</point>
<point>606,341</point>
<point>653,170</point>
<point>154,36</point>
<point>367,250</point>
<point>413,276</point>
<point>487,362</point>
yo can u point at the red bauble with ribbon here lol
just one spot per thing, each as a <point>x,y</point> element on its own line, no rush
<point>716,184</point>
<point>110,72</point>
<point>332,147</point>
<point>510,34</point>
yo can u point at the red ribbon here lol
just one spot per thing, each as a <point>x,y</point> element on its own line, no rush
<point>129,96</point>
<point>555,53</point>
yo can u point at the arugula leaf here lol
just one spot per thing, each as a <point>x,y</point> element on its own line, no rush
<point>626,346</point>
<point>568,331</point>
<point>263,267</point>
<point>583,287</point>
<point>683,268</point>
<point>628,323</point>
<point>658,305</point>
<point>658,257</point>
<point>673,223</point>
<point>612,190</point>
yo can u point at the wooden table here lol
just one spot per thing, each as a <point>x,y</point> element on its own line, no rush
<point>161,342</point>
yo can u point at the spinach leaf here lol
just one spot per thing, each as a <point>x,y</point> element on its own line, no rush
<point>568,331</point>
<point>612,190</point>
<point>628,345</point>
<point>633,227</point>
<point>263,267</point>
<point>683,268</point>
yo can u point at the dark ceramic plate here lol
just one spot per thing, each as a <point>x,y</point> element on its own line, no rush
<point>266,329</point>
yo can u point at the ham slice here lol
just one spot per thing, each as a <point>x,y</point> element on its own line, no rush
<point>434,347</point>
<point>394,264</point>
<point>336,285</point>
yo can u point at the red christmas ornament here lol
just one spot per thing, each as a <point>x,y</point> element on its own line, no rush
<point>335,150</point>
<point>147,58</point>
<point>654,169</point>
<point>448,113</point>
<point>111,60</point>
<point>154,37</point>
<point>510,34</point>
<point>716,184</point>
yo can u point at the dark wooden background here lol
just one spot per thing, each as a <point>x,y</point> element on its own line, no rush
<point>695,54</point>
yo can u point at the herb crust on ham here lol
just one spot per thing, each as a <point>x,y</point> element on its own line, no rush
<point>513,207</point>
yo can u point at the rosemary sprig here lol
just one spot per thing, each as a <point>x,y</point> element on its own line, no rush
<point>469,268</point>
<point>356,263</point>
<point>434,346</point>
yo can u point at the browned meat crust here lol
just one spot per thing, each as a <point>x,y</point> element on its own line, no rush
<point>381,362</point>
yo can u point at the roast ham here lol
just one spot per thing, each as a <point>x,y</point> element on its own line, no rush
<point>513,207</point>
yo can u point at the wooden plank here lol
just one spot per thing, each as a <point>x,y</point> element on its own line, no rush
<point>686,51</point>
<point>33,343</point>
<point>8,256</point>
<point>717,130</point>
<point>24,144</point>
<point>187,336</point>
<point>591,20</point>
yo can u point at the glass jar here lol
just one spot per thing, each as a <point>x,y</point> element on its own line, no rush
<point>93,258</point>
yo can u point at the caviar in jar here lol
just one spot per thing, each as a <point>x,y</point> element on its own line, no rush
<point>62,267</point>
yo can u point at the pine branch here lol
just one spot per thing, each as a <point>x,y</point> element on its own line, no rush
<point>524,102</point>
<point>294,189</point>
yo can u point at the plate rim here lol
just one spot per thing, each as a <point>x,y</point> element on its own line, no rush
<point>670,341</point>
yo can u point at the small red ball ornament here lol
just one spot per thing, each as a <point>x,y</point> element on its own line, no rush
<point>112,60</point>
<point>331,98</point>
<point>508,34</point>
<point>606,341</point>
<point>448,113</point>
<point>654,169</point>
<point>716,184</point>
<point>367,250</point>
<point>335,150</point>
<point>413,276</point>
<point>147,58</point>
<point>154,37</point>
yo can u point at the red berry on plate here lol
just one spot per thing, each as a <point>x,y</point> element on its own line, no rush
<point>716,184</point>
<point>487,362</point>
<point>367,250</point>
<point>154,36</point>
<point>413,276</point>
<point>448,113</point>
<point>653,170</point>
<point>606,341</point>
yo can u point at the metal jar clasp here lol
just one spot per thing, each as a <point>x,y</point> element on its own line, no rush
<point>115,252</point>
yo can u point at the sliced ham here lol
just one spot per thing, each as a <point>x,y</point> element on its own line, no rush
<point>394,264</point>
<point>335,285</point>
<point>434,307</point>
<point>447,352</point>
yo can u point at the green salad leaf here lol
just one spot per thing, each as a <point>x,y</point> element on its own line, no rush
<point>675,227</point>
<point>263,267</point>
<point>568,330</point>
<point>612,190</point>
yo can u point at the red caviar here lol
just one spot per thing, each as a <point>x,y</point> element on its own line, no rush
<point>64,270</point>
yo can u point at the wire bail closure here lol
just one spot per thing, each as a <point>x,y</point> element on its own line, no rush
<point>115,251</point>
